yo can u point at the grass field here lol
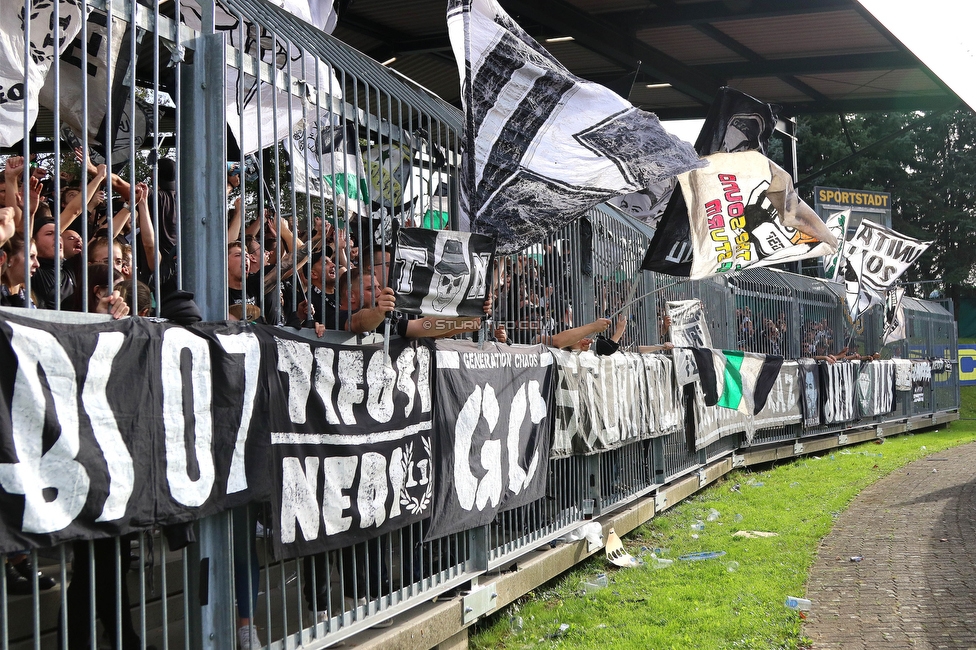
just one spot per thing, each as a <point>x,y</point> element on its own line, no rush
<point>734,601</point>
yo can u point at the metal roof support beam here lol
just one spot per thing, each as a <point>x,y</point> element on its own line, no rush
<point>718,11</point>
<point>604,39</point>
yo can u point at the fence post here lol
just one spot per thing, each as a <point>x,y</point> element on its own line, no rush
<point>204,262</point>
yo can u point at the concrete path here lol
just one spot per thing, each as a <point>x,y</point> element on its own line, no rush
<point>916,586</point>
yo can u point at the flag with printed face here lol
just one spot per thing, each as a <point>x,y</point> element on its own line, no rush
<point>542,146</point>
<point>737,380</point>
<point>442,272</point>
<point>735,122</point>
<point>743,211</point>
<point>837,224</point>
<point>874,259</point>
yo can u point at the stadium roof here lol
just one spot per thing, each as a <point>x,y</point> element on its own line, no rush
<point>810,56</point>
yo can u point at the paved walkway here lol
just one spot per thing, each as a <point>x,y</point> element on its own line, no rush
<point>916,586</point>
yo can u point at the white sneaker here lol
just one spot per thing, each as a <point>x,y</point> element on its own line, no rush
<point>248,639</point>
<point>322,616</point>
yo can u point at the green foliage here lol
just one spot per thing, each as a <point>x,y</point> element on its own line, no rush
<point>714,603</point>
<point>930,171</point>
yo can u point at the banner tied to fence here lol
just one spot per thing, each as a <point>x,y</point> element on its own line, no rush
<point>491,424</point>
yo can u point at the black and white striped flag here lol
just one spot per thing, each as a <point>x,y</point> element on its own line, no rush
<point>541,146</point>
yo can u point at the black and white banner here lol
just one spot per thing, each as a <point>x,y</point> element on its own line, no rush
<point>353,449</point>
<point>838,391</point>
<point>782,408</point>
<point>873,260</point>
<point>689,329</point>
<point>542,146</point>
<point>921,379</point>
<point>442,272</point>
<point>810,402</point>
<point>876,388</point>
<point>123,425</point>
<point>603,402</point>
<point>715,422</point>
<point>783,403</point>
<point>894,326</point>
<point>254,129</point>
<point>21,77</point>
<point>492,426</point>
<point>903,374</point>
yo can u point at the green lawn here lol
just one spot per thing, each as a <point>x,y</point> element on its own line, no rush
<point>735,601</point>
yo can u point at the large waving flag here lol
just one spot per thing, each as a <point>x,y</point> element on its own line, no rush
<point>736,122</point>
<point>736,380</point>
<point>743,211</point>
<point>542,146</point>
<point>874,260</point>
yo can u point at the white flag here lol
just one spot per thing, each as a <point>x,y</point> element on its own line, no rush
<point>20,80</point>
<point>874,259</point>
<point>837,224</point>
<point>258,129</point>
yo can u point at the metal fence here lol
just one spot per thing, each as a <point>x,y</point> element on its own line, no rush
<point>214,120</point>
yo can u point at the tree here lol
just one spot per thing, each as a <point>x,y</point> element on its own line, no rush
<point>930,171</point>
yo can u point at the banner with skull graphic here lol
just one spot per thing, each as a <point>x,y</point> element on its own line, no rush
<point>441,272</point>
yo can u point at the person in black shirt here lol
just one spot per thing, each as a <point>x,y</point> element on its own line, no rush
<point>50,258</point>
<point>13,292</point>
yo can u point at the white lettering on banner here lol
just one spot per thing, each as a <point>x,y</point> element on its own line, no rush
<point>186,491</point>
<point>350,380</point>
<point>405,385</point>
<point>528,395</point>
<point>378,480</point>
<point>298,501</point>
<point>338,474</point>
<point>376,383</point>
<point>325,382</point>
<point>479,274</point>
<point>381,379</point>
<point>295,359</point>
<point>245,343</point>
<point>37,473</point>
<point>371,499</point>
<point>481,403</point>
<point>409,257</point>
<point>121,472</point>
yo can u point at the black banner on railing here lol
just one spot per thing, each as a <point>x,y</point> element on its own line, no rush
<point>492,425</point>
<point>111,427</point>
<point>838,391</point>
<point>352,450</point>
<point>876,388</point>
<point>810,396</point>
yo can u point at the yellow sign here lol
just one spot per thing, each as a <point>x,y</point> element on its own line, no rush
<point>836,196</point>
<point>967,364</point>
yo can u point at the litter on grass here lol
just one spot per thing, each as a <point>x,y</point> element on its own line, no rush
<point>753,534</point>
